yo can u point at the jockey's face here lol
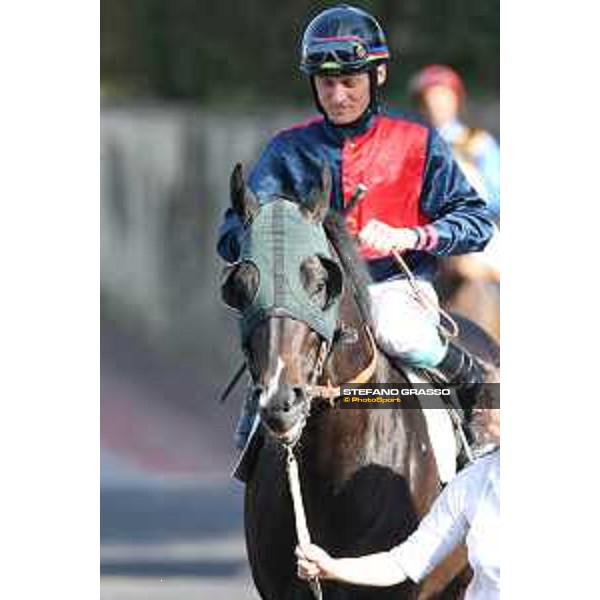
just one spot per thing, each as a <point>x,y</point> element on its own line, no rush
<point>440,105</point>
<point>346,97</point>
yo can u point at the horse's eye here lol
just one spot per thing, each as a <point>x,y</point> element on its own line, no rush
<point>314,279</point>
<point>240,284</point>
<point>322,280</point>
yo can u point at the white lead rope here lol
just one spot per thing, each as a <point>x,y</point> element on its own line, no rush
<point>299,514</point>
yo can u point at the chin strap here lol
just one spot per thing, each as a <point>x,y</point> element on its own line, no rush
<point>313,88</point>
<point>374,91</point>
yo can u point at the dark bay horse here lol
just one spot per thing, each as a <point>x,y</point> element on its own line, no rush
<point>367,475</point>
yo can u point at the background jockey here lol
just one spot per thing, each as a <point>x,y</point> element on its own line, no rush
<point>417,200</point>
<point>441,94</point>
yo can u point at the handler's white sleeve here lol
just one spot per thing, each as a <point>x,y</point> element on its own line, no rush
<point>442,529</point>
<point>468,510</point>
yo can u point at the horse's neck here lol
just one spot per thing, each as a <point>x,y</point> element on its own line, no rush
<point>354,361</point>
<point>350,361</point>
<point>342,443</point>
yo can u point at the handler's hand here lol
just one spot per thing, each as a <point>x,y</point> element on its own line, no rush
<point>313,562</point>
<point>383,238</point>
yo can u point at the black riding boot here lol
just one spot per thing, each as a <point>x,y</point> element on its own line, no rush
<point>461,369</point>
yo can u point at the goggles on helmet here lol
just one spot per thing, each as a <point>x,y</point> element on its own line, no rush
<point>343,54</point>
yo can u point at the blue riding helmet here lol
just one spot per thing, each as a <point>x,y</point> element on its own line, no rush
<point>342,40</point>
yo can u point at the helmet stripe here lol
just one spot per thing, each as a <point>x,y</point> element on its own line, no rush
<point>342,38</point>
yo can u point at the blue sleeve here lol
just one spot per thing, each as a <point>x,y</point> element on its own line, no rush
<point>488,163</point>
<point>266,179</point>
<point>460,218</point>
<point>270,175</point>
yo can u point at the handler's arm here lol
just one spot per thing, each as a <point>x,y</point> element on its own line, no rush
<point>372,569</point>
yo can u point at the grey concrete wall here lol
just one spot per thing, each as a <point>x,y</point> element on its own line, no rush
<point>164,186</point>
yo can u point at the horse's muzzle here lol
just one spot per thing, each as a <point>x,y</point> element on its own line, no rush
<point>284,411</point>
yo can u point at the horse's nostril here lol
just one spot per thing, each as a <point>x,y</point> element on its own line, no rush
<point>293,397</point>
<point>298,393</point>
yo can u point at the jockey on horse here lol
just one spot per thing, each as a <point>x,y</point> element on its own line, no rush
<point>413,196</point>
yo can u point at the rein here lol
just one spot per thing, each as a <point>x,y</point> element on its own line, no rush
<point>425,301</point>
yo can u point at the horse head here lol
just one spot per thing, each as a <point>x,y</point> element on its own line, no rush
<point>286,288</point>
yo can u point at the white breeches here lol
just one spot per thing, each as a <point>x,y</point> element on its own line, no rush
<point>404,327</point>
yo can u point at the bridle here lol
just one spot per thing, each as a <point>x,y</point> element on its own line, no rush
<point>330,392</point>
<point>327,392</point>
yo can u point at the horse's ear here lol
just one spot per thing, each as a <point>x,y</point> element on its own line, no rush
<point>243,200</point>
<point>317,205</point>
